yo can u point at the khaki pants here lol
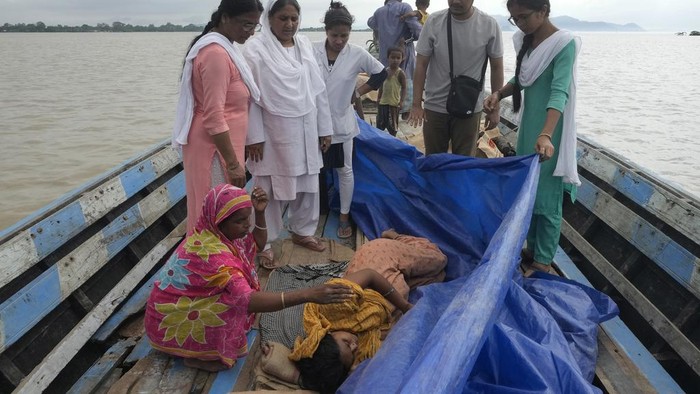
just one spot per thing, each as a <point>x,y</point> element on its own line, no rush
<point>441,129</point>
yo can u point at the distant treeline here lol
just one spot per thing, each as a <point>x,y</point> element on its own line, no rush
<point>41,27</point>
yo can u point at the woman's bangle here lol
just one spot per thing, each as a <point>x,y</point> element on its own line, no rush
<point>260,228</point>
<point>282,298</point>
<point>545,135</point>
<point>385,295</point>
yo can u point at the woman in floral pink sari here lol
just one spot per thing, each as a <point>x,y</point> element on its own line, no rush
<point>206,296</point>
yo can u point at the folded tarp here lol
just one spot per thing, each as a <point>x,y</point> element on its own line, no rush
<point>486,329</point>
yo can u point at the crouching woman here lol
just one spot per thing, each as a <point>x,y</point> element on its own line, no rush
<point>205,298</point>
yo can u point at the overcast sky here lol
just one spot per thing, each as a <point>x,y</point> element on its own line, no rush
<point>666,15</point>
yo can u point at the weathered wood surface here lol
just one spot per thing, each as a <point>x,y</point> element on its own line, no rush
<point>27,307</point>
<point>663,325</point>
<point>20,251</point>
<point>672,206</point>
<point>616,372</point>
<point>103,368</point>
<point>627,344</point>
<point>46,371</point>
<point>678,262</point>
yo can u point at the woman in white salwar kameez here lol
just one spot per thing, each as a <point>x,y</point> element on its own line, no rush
<point>340,62</point>
<point>289,127</point>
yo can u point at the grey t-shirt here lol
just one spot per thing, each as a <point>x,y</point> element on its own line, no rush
<point>472,41</point>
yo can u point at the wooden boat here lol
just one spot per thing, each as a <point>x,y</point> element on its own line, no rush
<point>74,274</point>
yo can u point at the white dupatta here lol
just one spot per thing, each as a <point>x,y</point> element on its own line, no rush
<point>531,68</point>
<point>185,104</point>
<point>288,86</point>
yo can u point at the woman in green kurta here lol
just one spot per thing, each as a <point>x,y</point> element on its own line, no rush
<point>545,73</point>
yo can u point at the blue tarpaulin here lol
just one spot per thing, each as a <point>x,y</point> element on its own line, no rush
<point>485,329</point>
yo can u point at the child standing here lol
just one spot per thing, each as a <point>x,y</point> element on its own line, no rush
<point>421,13</point>
<point>392,93</point>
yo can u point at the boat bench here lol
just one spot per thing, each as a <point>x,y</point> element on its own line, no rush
<point>67,268</point>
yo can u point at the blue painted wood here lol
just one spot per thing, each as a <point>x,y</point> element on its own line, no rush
<point>77,192</point>
<point>130,224</point>
<point>26,308</point>
<point>633,186</point>
<point>176,188</point>
<point>122,230</point>
<point>226,380</point>
<point>52,232</point>
<point>137,177</point>
<point>141,350</point>
<point>667,254</point>
<point>132,306</point>
<point>672,257</point>
<point>621,335</point>
<point>92,378</point>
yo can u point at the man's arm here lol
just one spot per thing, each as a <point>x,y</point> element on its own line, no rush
<point>417,114</point>
<point>496,65</point>
<point>493,116</point>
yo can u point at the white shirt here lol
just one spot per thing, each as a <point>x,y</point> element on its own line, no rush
<point>340,81</point>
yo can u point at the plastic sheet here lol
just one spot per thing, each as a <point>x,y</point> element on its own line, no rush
<point>486,329</point>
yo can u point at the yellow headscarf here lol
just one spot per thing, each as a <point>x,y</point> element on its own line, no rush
<point>366,314</point>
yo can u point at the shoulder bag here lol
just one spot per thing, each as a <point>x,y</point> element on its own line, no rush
<point>464,90</point>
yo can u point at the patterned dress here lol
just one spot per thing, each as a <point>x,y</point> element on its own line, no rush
<point>198,307</point>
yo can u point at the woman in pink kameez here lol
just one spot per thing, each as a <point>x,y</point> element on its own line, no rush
<point>205,298</point>
<point>215,93</point>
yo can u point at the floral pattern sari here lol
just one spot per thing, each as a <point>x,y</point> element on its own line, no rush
<point>198,307</point>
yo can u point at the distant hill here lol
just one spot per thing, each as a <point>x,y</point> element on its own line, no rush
<point>573,24</point>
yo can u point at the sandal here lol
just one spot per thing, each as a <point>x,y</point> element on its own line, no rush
<point>344,230</point>
<point>267,259</point>
<point>309,242</point>
<point>537,267</point>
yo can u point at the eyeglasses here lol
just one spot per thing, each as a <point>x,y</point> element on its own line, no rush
<point>248,27</point>
<point>515,19</point>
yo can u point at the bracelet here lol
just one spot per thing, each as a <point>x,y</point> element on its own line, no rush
<point>282,297</point>
<point>260,228</point>
<point>500,95</point>
<point>545,135</point>
<point>389,292</point>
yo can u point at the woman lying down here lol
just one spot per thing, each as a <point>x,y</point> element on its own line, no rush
<point>328,341</point>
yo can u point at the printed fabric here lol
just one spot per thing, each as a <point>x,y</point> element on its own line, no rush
<point>365,315</point>
<point>198,307</point>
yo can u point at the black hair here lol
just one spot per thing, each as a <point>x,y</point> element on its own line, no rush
<point>337,15</point>
<point>323,372</point>
<point>281,4</point>
<point>534,5</point>
<point>228,8</point>
<point>423,2</point>
<point>395,49</point>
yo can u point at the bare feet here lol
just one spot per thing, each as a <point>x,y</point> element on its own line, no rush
<point>210,365</point>
<point>390,234</point>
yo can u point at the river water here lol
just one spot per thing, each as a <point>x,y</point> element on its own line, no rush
<point>73,105</point>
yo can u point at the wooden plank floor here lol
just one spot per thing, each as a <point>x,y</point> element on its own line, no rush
<point>147,370</point>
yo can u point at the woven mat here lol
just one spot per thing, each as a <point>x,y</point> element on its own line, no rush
<point>295,254</point>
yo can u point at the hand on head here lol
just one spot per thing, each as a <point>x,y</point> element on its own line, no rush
<point>330,293</point>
